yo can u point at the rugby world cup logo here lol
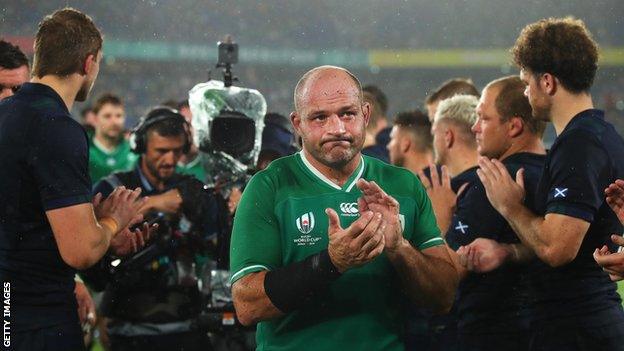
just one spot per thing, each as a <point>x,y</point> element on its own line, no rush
<point>305,222</point>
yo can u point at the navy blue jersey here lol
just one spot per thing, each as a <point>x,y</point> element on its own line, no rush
<point>44,155</point>
<point>379,150</point>
<point>494,302</point>
<point>584,159</point>
<point>468,177</point>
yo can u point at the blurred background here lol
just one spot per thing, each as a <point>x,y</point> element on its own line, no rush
<point>157,50</point>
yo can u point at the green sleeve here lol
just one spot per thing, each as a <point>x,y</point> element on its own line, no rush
<point>255,244</point>
<point>426,232</point>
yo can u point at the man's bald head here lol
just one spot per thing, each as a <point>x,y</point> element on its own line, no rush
<point>317,73</point>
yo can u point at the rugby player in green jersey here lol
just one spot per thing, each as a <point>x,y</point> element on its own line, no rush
<point>108,150</point>
<point>328,245</point>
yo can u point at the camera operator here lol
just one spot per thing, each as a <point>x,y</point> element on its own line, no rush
<point>152,297</point>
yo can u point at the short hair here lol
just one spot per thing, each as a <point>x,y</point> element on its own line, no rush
<point>461,110</point>
<point>418,126</point>
<point>104,99</point>
<point>171,103</point>
<point>452,87</point>
<point>379,95</point>
<point>511,102</point>
<point>376,112</point>
<point>304,79</point>
<point>562,47</point>
<point>63,42</point>
<point>11,57</point>
<point>169,127</point>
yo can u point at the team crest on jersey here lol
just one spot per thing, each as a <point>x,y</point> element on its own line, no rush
<point>349,209</point>
<point>305,223</point>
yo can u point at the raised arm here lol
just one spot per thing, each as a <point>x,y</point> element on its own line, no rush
<point>269,294</point>
<point>83,236</point>
<point>541,234</point>
<point>428,275</point>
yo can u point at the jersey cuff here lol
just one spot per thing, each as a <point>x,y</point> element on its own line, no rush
<point>571,211</point>
<point>247,270</point>
<point>66,201</point>
<point>431,243</point>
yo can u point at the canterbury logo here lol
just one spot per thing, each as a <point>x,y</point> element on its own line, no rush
<point>305,223</point>
<point>349,208</point>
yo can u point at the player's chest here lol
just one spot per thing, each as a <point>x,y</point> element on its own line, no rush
<point>304,223</point>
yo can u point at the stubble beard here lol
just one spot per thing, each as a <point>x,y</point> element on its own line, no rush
<point>337,162</point>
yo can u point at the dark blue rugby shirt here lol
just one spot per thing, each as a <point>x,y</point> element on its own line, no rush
<point>585,158</point>
<point>498,301</point>
<point>44,155</point>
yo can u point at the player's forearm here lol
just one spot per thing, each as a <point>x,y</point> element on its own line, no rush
<point>95,246</point>
<point>429,280</point>
<point>81,239</point>
<point>87,249</point>
<point>101,241</point>
<point>527,226</point>
<point>285,289</point>
<point>536,234</point>
<point>251,301</point>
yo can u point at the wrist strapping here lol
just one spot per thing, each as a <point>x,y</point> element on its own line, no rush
<point>298,284</point>
<point>110,223</point>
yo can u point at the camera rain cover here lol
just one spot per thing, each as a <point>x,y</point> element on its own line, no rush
<point>228,124</point>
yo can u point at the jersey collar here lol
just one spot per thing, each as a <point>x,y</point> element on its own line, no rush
<point>147,186</point>
<point>348,185</point>
<point>102,148</point>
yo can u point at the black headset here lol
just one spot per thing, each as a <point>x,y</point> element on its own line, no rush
<point>138,136</point>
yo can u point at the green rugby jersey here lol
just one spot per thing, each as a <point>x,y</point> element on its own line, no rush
<point>281,219</point>
<point>103,163</point>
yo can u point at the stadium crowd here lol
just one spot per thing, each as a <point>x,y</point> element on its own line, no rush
<point>268,24</point>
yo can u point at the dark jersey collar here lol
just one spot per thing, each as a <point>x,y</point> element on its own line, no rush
<point>467,173</point>
<point>467,176</point>
<point>42,89</point>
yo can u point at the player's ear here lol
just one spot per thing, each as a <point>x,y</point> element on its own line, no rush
<point>548,83</point>
<point>404,144</point>
<point>295,120</point>
<point>90,63</point>
<point>449,138</point>
<point>366,112</point>
<point>516,126</point>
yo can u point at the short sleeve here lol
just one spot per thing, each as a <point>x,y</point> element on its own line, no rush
<point>60,160</point>
<point>426,232</point>
<point>256,243</point>
<point>579,172</point>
